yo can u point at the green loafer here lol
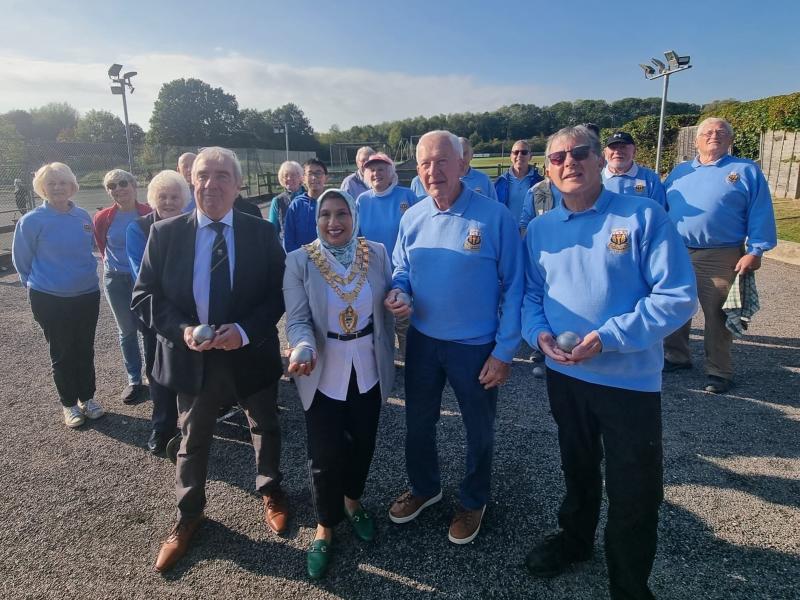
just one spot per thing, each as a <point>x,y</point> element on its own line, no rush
<point>317,558</point>
<point>362,523</point>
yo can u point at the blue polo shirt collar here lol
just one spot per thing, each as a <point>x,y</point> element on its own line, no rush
<point>459,207</point>
<point>600,205</point>
<point>717,163</point>
<point>632,172</point>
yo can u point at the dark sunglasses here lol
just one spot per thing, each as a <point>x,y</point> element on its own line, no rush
<point>578,153</point>
<point>112,186</point>
<point>523,152</point>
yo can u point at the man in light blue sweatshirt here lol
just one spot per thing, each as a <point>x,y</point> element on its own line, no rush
<point>722,208</point>
<point>458,256</point>
<point>612,269</point>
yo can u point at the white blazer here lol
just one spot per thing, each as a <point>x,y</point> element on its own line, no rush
<point>306,297</point>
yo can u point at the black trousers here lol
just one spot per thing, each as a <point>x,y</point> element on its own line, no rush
<point>165,401</point>
<point>69,325</point>
<point>626,424</point>
<point>198,419</point>
<point>341,442</point>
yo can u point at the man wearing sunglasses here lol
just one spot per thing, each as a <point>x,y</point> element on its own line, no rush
<point>722,208</point>
<point>512,185</point>
<point>624,176</point>
<point>613,270</point>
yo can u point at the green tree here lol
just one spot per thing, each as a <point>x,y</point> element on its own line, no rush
<point>99,126</point>
<point>189,112</point>
<point>52,119</point>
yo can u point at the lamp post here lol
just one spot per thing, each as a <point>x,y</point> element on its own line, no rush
<point>674,64</point>
<point>120,83</point>
<point>284,129</point>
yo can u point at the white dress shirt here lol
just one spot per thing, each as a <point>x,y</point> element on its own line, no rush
<point>340,356</point>
<point>201,280</point>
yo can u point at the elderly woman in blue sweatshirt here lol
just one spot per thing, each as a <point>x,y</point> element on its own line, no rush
<point>167,194</point>
<point>52,253</point>
<point>613,270</point>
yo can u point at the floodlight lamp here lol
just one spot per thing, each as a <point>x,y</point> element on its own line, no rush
<point>648,70</point>
<point>131,88</point>
<point>672,58</point>
<point>129,74</point>
<point>116,90</point>
<point>113,70</point>
<point>683,60</point>
<point>661,66</point>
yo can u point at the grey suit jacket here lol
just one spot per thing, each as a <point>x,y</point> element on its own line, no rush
<point>306,298</point>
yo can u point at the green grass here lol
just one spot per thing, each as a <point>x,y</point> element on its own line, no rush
<point>489,165</point>
<point>787,218</point>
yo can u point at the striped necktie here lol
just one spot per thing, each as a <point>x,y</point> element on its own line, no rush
<point>219,292</point>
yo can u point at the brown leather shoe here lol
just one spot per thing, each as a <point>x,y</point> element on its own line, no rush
<point>276,510</point>
<point>465,525</point>
<point>177,543</point>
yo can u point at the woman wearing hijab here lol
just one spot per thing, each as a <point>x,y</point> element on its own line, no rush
<point>334,289</point>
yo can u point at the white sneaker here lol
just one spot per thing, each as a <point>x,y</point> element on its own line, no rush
<point>73,417</point>
<point>91,408</point>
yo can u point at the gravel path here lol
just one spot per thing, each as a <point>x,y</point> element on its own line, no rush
<point>83,511</point>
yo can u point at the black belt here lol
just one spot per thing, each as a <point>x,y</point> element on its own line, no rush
<point>346,337</point>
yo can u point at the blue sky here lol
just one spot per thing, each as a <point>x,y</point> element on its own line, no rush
<point>354,62</point>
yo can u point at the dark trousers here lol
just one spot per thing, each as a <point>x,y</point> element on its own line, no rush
<point>626,424</point>
<point>198,417</point>
<point>165,401</point>
<point>429,363</point>
<point>341,442</point>
<point>69,325</point>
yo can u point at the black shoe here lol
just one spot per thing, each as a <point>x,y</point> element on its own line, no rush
<point>134,393</point>
<point>553,556</point>
<point>671,367</point>
<point>158,441</point>
<point>718,385</point>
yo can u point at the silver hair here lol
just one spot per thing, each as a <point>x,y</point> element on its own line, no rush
<point>578,133</point>
<point>289,166</point>
<point>525,143</point>
<point>705,122</point>
<point>219,153</point>
<point>167,179</point>
<point>186,155</point>
<point>452,138</point>
<point>49,170</point>
<point>117,175</point>
<point>368,150</point>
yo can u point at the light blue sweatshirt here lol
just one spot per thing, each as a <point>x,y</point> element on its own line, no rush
<point>618,268</point>
<point>479,182</point>
<point>417,187</point>
<point>379,216</point>
<point>722,204</point>
<point>636,181</point>
<point>52,251</point>
<point>463,269</point>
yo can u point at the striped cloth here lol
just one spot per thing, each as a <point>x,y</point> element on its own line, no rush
<point>741,304</point>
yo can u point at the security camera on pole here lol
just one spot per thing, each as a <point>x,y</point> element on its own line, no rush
<point>119,89</point>
<point>674,64</point>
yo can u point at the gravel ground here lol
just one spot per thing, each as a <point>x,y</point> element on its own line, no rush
<point>83,511</point>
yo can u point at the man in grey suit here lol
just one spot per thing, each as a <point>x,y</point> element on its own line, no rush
<point>218,266</point>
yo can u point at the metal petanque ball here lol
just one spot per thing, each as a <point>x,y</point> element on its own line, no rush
<point>301,355</point>
<point>567,340</point>
<point>203,333</point>
<point>404,298</point>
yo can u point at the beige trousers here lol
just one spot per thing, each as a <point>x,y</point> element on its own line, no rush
<point>713,268</point>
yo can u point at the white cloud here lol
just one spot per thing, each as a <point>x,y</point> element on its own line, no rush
<point>347,96</point>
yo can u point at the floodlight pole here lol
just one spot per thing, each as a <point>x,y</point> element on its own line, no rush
<point>127,130</point>
<point>122,81</point>
<point>286,133</point>
<point>675,66</point>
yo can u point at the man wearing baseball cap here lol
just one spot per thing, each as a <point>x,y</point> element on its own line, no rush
<point>624,176</point>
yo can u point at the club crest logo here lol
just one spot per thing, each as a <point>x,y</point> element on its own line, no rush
<point>620,241</point>
<point>403,207</point>
<point>87,228</point>
<point>733,177</point>
<point>640,186</point>
<point>473,241</point>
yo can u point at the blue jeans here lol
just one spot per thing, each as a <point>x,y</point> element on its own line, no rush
<point>429,362</point>
<point>119,289</point>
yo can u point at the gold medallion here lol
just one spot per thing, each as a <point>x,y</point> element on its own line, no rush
<point>348,319</point>
<point>620,241</point>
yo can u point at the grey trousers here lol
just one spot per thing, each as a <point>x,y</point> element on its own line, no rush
<point>197,416</point>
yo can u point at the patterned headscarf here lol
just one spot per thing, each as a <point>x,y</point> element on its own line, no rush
<point>346,253</point>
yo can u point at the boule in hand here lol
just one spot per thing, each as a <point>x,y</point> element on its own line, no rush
<point>301,355</point>
<point>404,298</point>
<point>567,340</point>
<point>203,333</point>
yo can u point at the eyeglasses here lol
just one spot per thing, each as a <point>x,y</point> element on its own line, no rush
<point>122,183</point>
<point>522,152</point>
<point>714,132</point>
<point>578,153</point>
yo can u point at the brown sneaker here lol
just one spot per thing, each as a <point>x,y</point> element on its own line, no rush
<point>465,525</point>
<point>408,506</point>
<point>177,543</point>
<point>276,510</point>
